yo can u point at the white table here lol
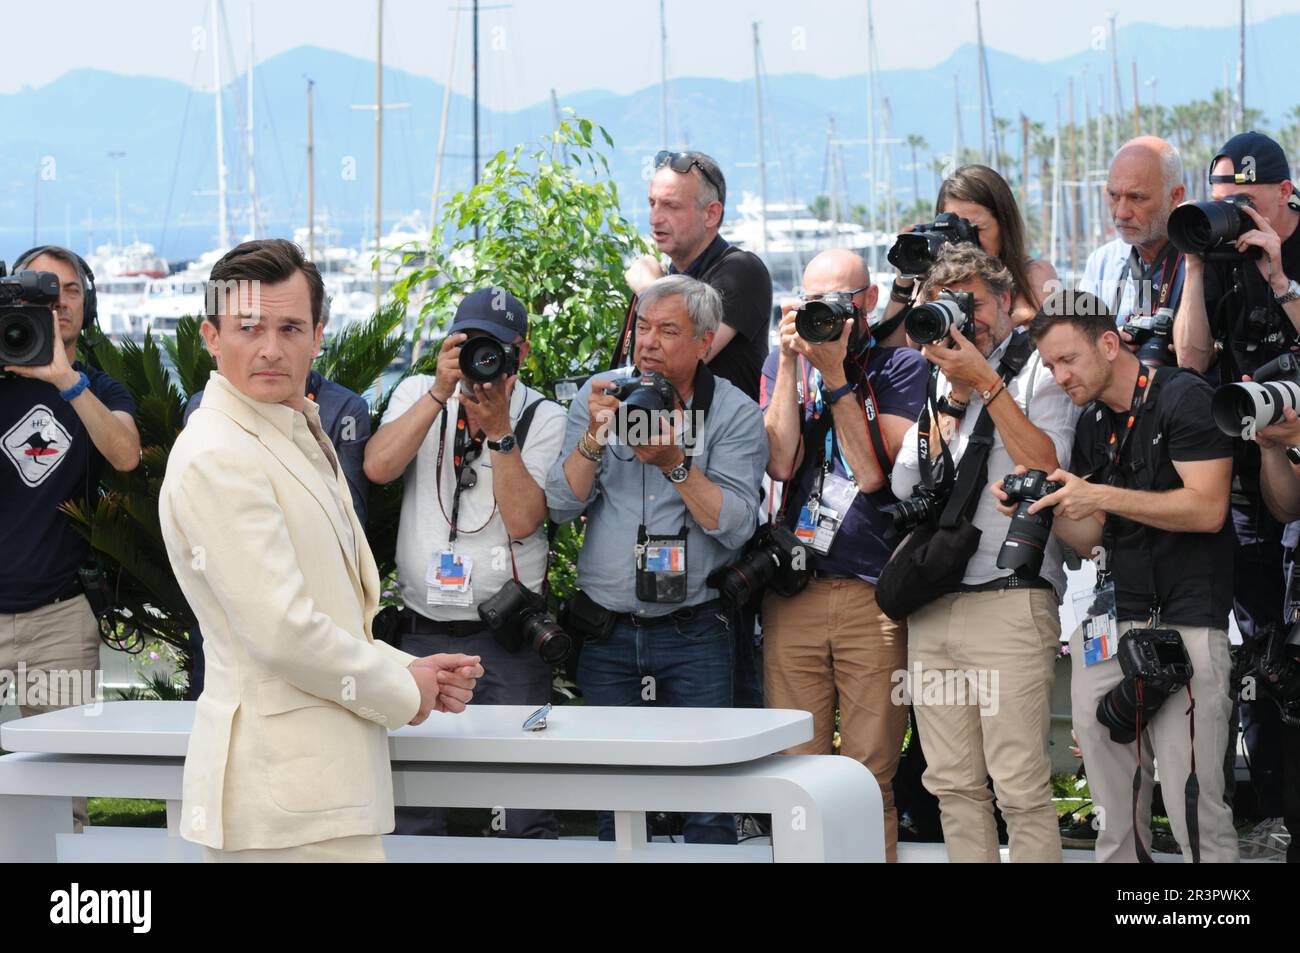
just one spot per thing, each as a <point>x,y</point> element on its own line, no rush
<point>628,760</point>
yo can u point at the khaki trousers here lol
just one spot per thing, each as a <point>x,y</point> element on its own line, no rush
<point>1167,737</point>
<point>61,642</point>
<point>832,645</point>
<point>981,667</point>
<point>361,849</point>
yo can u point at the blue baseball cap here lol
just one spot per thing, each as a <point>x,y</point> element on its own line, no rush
<point>494,310</point>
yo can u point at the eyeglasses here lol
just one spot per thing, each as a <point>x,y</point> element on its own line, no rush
<point>833,294</point>
<point>682,162</point>
<point>468,479</point>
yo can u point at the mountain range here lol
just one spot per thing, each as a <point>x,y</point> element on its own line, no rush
<point>57,179</point>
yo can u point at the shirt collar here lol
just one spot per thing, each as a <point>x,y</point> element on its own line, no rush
<point>705,259</point>
<point>281,416</point>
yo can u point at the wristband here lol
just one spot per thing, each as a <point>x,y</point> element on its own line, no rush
<point>831,396</point>
<point>441,403</point>
<point>75,390</point>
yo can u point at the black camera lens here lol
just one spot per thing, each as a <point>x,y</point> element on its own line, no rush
<point>935,320</point>
<point>484,359</point>
<point>1026,542</point>
<point>773,559</point>
<point>550,641</point>
<point>1201,227</point>
<point>17,337</point>
<point>819,322</point>
<point>906,515</point>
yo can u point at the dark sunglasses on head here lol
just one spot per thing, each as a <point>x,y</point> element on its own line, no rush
<point>682,162</point>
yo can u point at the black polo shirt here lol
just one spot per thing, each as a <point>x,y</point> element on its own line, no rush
<point>51,459</point>
<point>746,288</point>
<point>1192,571</point>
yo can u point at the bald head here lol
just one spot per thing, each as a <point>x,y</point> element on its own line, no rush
<point>836,269</point>
<point>1143,187</point>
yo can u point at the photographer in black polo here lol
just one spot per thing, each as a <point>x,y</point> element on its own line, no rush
<point>1150,502</point>
<point>1240,309</point>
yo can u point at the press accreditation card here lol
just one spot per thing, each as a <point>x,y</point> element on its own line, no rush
<point>448,580</point>
<point>1097,615</point>
<point>836,498</point>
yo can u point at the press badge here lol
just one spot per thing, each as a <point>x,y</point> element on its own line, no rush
<point>448,580</point>
<point>832,507</point>
<point>1099,623</point>
<point>661,567</point>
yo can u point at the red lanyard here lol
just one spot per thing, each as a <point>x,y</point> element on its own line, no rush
<point>1139,396</point>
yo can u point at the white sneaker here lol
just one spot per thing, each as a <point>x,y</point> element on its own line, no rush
<point>1268,841</point>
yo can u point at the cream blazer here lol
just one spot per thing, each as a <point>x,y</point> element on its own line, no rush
<point>290,739</point>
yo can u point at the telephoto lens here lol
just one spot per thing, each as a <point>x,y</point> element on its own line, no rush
<point>1210,228</point>
<point>484,359</point>
<point>935,320</point>
<point>822,320</point>
<point>517,617</point>
<point>1022,550</point>
<point>772,559</point>
<point>1155,664</point>
<point>1244,408</point>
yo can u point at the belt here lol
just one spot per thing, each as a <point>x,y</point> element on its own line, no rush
<point>419,625</point>
<point>71,591</point>
<point>684,614</point>
<point>823,574</point>
<point>1008,582</point>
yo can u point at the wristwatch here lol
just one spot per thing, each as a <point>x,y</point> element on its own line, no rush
<point>504,445</point>
<point>1292,293</point>
<point>831,396</point>
<point>679,473</point>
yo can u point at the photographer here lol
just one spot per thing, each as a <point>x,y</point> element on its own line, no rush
<point>830,644</point>
<point>661,517</point>
<point>688,199</point>
<point>474,454</point>
<point>987,623</point>
<point>1280,486</point>
<point>61,422</point>
<point>1150,499</point>
<point>1139,273</point>
<point>981,197</point>
<point>1241,309</point>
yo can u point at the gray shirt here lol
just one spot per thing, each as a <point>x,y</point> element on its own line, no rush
<point>731,451</point>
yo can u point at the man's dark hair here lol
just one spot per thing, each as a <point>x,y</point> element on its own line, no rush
<point>269,260</point>
<point>1084,311</point>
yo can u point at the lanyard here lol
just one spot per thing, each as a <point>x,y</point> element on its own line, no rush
<point>1117,444</point>
<point>1168,261</point>
<point>465,450</point>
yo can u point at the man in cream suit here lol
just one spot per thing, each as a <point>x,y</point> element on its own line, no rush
<point>288,758</point>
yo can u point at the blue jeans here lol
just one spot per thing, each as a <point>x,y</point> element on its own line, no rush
<point>678,663</point>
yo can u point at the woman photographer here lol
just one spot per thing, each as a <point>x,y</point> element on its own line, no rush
<point>982,197</point>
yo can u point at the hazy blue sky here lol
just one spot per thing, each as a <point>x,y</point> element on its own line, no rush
<point>529,46</point>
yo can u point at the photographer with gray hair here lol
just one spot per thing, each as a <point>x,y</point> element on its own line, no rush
<point>665,460</point>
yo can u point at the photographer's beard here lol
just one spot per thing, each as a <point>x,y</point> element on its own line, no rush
<point>989,339</point>
<point>1151,238</point>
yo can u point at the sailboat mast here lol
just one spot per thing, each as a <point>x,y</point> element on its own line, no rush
<point>872,240</point>
<point>979,35</point>
<point>762,161</point>
<point>223,236</point>
<point>253,225</point>
<point>442,124</point>
<point>311,179</point>
<point>1241,70</point>
<point>663,77</point>
<point>379,154</point>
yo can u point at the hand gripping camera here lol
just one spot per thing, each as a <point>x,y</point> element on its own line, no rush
<point>646,399</point>
<point>1152,333</point>
<point>1027,536</point>
<point>821,319</point>
<point>484,359</point>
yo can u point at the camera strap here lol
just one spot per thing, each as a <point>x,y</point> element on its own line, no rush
<point>465,450</point>
<point>1115,447</point>
<point>701,401</point>
<point>1167,262</point>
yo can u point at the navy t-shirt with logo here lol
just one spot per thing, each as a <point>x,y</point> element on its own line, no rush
<point>48,459</point>
<point>898,380</point>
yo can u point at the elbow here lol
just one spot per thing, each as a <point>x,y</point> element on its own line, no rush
<point>374,469</point>
<point>1215,515</point>
<point>873,484</point>
<point>780,472</point>
<point>128,462</point>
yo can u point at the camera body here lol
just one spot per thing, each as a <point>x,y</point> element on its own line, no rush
<point>1211,229</point>
<point>646,398</point>
<point>484,359</point>
<point>1157,661</point>
<point>935,320</point>
<point>1152,333</point>
<point>773,559</point>
<point>27,337</point>
<point>906,515</point>
<point>821,320</point>
<point>517,617</point>
<point>914,252</point>
<point>1273,663</point>
<point>1027,535</point>
<point>1251,406</point>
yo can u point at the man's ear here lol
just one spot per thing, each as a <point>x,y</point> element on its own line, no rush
<point>318,335</point>
<point>211,338</point>
<point>713,214</point>
<point>706,342</point>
